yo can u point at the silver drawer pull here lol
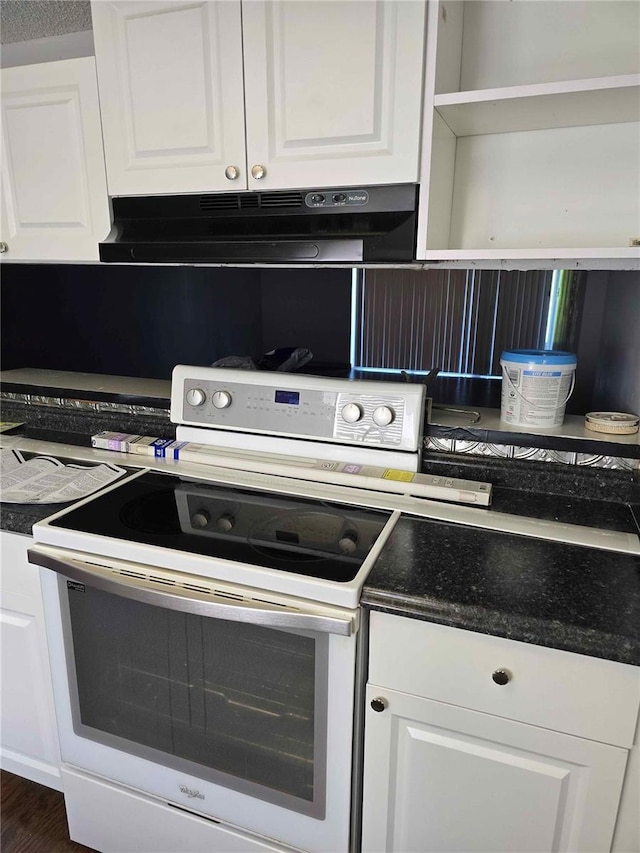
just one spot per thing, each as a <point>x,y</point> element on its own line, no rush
<point>501,676</point>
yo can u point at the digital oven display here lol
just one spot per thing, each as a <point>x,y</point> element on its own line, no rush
<point>291,398</point>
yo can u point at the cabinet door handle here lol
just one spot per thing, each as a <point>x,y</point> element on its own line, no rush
<point>4,247</point>
<point>501,676</point>
<point>258,171</point>
<point>231,173</point>
<point>379,704</point>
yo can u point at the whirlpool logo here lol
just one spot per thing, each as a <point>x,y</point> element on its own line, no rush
<point>190,792</point>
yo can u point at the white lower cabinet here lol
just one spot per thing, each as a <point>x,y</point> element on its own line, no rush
<point>464,777</point>
<point>29,740</point>
<point>446,778</point>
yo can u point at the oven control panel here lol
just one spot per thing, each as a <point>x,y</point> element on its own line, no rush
<point>382,414</point>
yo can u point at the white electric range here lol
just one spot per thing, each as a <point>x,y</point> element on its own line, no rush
<point>204,630</point>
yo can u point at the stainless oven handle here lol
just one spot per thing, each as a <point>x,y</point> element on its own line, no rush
<point>252,611</point>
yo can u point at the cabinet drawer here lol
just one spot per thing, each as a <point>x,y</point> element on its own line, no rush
<point>580,695</point>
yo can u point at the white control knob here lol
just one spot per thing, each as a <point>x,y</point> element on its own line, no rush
<point>348,542</point>
<point>382,416</point>
<point>196,396</point>
<point>221,399</point>
<point>200,519</point>
<point>225,522</point>
<point>352,413</point>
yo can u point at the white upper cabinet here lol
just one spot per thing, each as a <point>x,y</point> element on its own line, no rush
<point>171,95</point>
<point>330,93</point>
<point>531,133</point>
<point>333,91</point>
<point>54,192</point>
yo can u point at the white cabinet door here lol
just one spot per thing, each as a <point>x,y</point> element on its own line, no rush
<point>29,737</point>
<point>440,778</point>
<point>55,205</point>
<point>333,91</point>
<point>171,95</point>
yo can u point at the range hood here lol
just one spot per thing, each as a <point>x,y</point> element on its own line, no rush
<point>336,225</point>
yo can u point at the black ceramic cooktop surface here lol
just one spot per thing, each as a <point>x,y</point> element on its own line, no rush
<point>309,537</point>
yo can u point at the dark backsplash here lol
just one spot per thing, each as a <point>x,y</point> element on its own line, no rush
<point>138,321</point>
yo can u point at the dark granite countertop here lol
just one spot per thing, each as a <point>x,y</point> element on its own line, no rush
<point>569,597</point>
<point>20,518</point>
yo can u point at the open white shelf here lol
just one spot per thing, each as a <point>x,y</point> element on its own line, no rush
<point>539,106</point>
<point>531,135</point>
<point>571,427</point>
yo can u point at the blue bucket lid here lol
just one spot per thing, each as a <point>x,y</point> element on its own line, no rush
<point>539,356</point>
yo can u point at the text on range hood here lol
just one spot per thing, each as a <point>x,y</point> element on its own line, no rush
<point>337,225</point>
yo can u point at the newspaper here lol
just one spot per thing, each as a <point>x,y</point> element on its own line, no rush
<point>46,480</point>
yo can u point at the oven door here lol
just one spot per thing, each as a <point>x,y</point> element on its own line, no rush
<point>230,705</point>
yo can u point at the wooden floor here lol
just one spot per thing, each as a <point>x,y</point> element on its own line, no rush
<point>33,819</point>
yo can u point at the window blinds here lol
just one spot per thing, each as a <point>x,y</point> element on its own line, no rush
<point>457,320</point>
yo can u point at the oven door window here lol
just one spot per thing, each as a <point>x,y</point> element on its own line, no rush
<point>241,705</point>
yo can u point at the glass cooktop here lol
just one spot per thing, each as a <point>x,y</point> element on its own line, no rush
<point>292,534</point>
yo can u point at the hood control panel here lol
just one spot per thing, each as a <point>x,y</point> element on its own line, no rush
<point>336,198</point>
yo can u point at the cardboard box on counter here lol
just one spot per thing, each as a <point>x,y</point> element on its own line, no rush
<point>120,441</point>
<point>142,445</point>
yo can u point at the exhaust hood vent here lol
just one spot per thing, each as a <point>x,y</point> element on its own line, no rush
<point>281,199</point>
<point>250,201</point>
<point>344,225</point>
<point>227,201</point>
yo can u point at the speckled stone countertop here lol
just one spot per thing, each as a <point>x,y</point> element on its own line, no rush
<point>569,597</point>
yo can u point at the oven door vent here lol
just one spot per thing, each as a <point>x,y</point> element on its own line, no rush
<point>128,573</point>
<point>210,591</point>
<point>165,581</point>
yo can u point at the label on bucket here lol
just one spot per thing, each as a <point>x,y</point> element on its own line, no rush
<point>535,397</point>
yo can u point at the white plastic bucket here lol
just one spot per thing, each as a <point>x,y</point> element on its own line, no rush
<point>536,385</point>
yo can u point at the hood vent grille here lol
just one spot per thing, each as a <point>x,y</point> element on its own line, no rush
<point>250,201</point>
<point>293,199</point>
<point>226,201</point>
